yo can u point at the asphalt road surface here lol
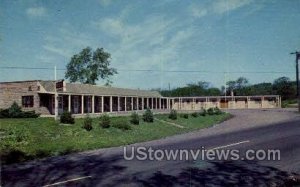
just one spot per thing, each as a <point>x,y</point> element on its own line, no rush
<point>250,129</point>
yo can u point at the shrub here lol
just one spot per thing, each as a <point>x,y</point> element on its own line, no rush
<point>121,124</point>
<point>66,118</point>
<point>148,116</point>
<point>88,123</point>
<point>186,116</point>
<point>203,112</point>
<point>4,113</point>
<point>173,115</point>
<point>105,121</point>
<point>217,111</point>
<point>210,111</point>
<point>135,119</point>
<point>194,114</point>
<point>14,111</point>
<point>29,114</point>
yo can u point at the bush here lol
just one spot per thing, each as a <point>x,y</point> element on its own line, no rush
<point>29,114</point>
<point>148,116</point>
<point>135,119</point>
<point>104,121</point>
<point>66,118</point>
<point>217,111</point>
<point>4,113</point>
<point>173,115</point>
<point>88,123</point>
<point>185,116</point>
<point>210,111</point>
<point>203,112</point>
<point>121,124</point>
<point>194,114</point>
<point>14,111</point>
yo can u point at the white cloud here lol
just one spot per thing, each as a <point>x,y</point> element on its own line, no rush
<point>222,6</point>
<point>36,11</point>
<point>105,2</point>
<point>57,50</point>
<point>217,7</point>
<point>66,42</point>
<point>197,11</point>
<point>110,25</point>
<point>149,44</point>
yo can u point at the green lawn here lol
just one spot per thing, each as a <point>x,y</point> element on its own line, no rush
<point>25,139</point>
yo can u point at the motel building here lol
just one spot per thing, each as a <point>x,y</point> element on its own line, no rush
<point>81,99</point>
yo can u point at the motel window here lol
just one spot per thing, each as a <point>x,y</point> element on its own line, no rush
<point>27,101</point>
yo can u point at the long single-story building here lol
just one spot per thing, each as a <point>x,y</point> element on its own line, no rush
<point>39,95</point>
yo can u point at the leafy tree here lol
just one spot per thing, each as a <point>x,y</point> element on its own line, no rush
<point>213,92</point>
<point>88,66</point>
<point>241,82</point>
<point>284,87</point>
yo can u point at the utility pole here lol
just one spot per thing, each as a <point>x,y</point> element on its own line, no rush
<point>297,53</point>
<point>55,97</point>
<point>225,89</point>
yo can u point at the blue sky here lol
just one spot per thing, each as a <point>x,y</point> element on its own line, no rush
<point>235,36</point>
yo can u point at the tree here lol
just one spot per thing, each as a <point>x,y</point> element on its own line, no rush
<point>284,87</point>
<point>241,82</point>
<point>239,86</point>
<point>87,66</point>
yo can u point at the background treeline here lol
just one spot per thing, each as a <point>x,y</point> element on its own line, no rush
<point>282,86</point>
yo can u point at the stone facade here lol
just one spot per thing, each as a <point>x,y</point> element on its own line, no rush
<point>13,91</point>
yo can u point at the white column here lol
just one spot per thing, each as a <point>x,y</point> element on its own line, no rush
<point>102,104</point>
<point>110,103</point>
<point>279,98</point>
<point>125,103</point>
<point>82,104</point>
<point>118,104</point>
<point>147,102</point>
<point>131,103</point>
<point>143,103</point>
<point>56,105</point>
<point>152,99</point>
<point>69,103</point>
<point>93,104</point>
<point>137,103</point>
<point>248,102</point>
<point>180,103</point>
<point>193,103</point>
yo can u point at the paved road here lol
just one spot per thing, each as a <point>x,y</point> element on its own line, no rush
<point>250,129</point>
